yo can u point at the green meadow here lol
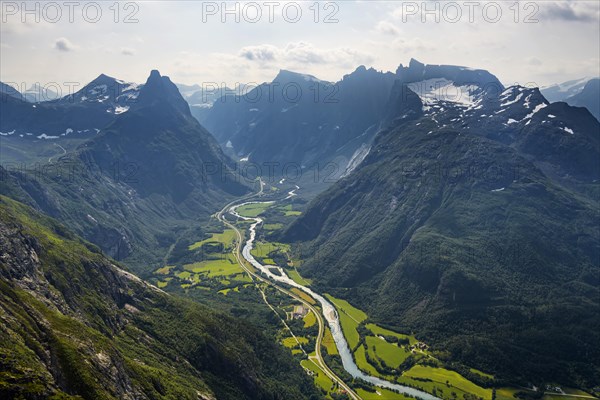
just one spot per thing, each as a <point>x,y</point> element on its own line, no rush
<point>226,237</point>
<point>447,380</point>
<point>320,377</point>
<point>253,210</point>
<point>350,318</point>
<point>215,268</point>
<point>291,342</point>
<point>392,354</point>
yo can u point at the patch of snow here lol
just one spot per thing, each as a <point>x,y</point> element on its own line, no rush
<point>512,121</point>
<point>434,90</point>
<point>7,133</point>
<point>551,116</point>
<point>284,110</point>
<point>229,145</point>
<point>253,110</point>
<point>568,130</point>
<point>121,109</point>
<point>536,109</point>
<point>245,159</point>
<point>516,99</point>
<point>498,190</point>
<point>44,136</point>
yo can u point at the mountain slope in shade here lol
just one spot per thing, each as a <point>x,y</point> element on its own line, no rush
<point>589,97</point>
<point>9,91</point>
<point>474,224</point>
<point>300,119</point>
<point>74,325</point>
<point>135,186</point>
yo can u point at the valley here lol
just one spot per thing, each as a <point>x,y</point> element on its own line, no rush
<point>361,359</point>
<point>428,247</point>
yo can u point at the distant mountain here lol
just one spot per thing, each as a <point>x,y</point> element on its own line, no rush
<point>472,221</point>
<point>589,97</point>
<point>583,92</point>
<point>9,91</point>
<point>83,112</point>
<point>562,91</point>
<point>300,119</point>
<point>75,325</point>
<point>137,184</point>
<point>38,93</point>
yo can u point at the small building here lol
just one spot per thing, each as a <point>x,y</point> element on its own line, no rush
<point>299,312</point>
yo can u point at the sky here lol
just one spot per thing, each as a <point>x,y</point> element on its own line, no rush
<point>205,42</point>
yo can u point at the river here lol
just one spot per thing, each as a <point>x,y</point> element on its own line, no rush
<point>329,312</point>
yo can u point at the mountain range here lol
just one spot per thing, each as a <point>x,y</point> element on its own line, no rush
<point>460,210</point>
<point>134,186</point>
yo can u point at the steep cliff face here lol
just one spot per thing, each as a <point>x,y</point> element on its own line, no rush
<point>74,324</point>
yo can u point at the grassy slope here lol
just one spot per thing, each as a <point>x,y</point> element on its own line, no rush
<point>73,324</point>
<point>485,274</point>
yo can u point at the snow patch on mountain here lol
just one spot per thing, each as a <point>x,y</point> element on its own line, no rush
<point>435,90</point>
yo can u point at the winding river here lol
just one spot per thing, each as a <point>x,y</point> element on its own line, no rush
<point>329,312</point>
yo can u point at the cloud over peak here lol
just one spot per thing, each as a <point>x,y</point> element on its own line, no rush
<point>63,44</point>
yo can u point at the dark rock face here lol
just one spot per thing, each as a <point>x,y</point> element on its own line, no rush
<point>589,98</point>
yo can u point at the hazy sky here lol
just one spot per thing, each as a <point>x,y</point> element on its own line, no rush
<point>195,42</point>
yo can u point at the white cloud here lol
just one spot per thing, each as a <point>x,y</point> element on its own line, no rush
<point>63,44</point>
<point>127,51</point>
<point>303,53</point>
<point>572,11</point>
<point>387,28</point>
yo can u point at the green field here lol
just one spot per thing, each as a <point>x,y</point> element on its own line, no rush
<point>263,249</point>
<point>289,211</point>
<point>377,330</point>
<point>381,394</point>
<point>350,318</point>
<point>303,296</point>
<point>392,354</point>
<point>214,268</point>
<point>272,227</point>
<point>440,376</point>
<point>164,270</point>
<point>226,291</point>
<point>295,276</point>
<point>328,343</point>
<point>309,320</point>
<point>361,361</point>
<point>253,210</point>
<point>226,237</point>
<point>321,379</point>
<point>291,342</point>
